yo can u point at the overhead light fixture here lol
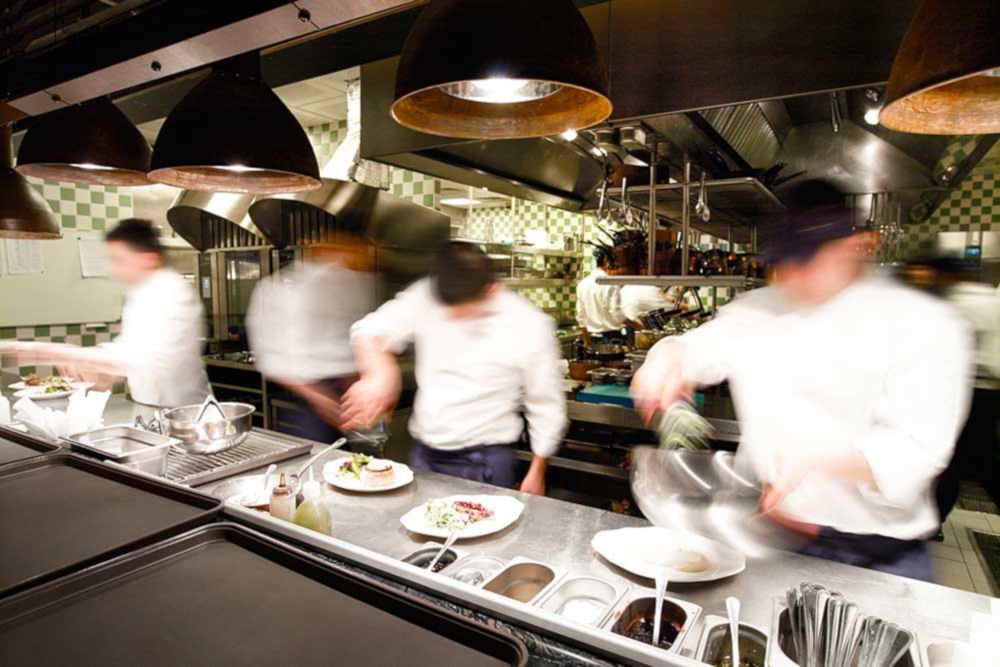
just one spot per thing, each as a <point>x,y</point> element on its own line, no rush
<point>461,74</point>
<point>24,214</point>
<point>871,116</point>
<point>946,76</point>
<point>460,201</point>
<point>93,142</point>
<point>231,133</point>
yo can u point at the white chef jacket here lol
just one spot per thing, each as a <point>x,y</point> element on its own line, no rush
<point>299,321</point>
<point>878,368</point>
<point>160,345</point>
<point>979,304</point>
<point>637,299</point>
<point>598,307</point>
<point>474,376</point>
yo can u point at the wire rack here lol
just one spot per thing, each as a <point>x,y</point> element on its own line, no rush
<point>260,449</point>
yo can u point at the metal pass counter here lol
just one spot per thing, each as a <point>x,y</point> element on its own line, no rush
<point>367,536</point>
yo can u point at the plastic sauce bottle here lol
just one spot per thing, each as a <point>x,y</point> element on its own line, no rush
<point>282,501</point>
<point>313,513</point>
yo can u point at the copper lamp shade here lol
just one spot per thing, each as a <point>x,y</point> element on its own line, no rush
<point>946,77</point>
<point>231,133</point>
<point>500,69</point>
<point>24,214</point>
<point>93,143</point>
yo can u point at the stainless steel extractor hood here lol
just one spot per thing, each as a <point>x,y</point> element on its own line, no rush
<point>197,216</point>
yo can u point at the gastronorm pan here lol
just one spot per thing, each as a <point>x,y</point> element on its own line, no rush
<point>716,646</point>
<point>640,605</point>
<point>15,446</point>
<point>127,445</point>
<point>227,595</point>
<point>65,512</point>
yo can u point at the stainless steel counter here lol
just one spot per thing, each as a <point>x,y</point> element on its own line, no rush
<point>367,531</point>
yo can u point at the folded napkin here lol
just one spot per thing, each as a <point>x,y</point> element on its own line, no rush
<point>84,412</point>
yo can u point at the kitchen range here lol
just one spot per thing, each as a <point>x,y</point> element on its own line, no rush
<point>242,206</point>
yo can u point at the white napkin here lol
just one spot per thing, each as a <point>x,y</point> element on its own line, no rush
<point>84,412</point>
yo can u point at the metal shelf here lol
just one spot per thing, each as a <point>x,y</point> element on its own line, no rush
<point>735,203</point>
<point>578,466</point>
<point>546,252</point>
<point>531,283</point>
<point>739,282</point>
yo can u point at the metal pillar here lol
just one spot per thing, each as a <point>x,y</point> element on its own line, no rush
<point>651,251</point>
<point>685,216</point>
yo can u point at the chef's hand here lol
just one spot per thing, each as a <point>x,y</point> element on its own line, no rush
<point>659,383</point>
<point>369,398</point>
<point>770,503</point>
<point>534,481</point>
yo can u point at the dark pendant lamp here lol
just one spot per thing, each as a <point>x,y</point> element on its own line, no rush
<point>231,133</point>
<point>93,142</point>
<point>500,69</point>
<point>946,77</point>
<point>24,214</point>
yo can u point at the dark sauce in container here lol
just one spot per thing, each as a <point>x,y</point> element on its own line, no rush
<point>641,629</point>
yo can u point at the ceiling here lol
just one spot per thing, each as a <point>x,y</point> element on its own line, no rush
<point>315,101</point>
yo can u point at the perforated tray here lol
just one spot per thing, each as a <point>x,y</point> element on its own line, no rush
<point>65,512</point>
<point>226,595</point>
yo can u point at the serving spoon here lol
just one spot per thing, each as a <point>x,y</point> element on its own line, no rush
<point>661,592</point>
<point>733,609</point>
<point>444,547</point>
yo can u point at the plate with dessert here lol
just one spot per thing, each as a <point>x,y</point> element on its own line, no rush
<point>365,474</point>
<point>469,516</point>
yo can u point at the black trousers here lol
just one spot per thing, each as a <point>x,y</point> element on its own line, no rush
<point>976,457</point>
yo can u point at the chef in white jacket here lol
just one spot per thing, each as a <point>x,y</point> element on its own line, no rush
<point>159,349</point>
<point>851,390</point>
<point>599,307</point>
<point>483,354</point>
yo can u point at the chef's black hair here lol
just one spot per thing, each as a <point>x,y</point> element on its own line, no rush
<point>139,235</point>
<point>461,273</point>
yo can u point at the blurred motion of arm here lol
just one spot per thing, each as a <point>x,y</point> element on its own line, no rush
<point>544,403</point>
<point>674,366</point>
<point>376,340</point>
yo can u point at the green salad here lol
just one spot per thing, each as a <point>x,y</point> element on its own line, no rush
<point>353,466</point>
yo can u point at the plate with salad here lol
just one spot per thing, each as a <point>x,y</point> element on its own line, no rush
<point>49,388</point>
<point>470,516</point>
<point>366,474</point>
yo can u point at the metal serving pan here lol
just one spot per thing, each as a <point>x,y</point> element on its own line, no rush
<point>65,512</point>
<point>15,446</point>
<point>126,445</point>
<point>231,596</point>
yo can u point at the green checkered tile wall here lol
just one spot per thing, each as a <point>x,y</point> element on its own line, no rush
<point>85,207</point>
<point>325,138</point>
<point>418,188</point>
<point>973,206</point>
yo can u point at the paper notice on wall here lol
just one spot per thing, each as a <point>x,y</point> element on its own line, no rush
<point>24,256</point>
<point>93,258</point>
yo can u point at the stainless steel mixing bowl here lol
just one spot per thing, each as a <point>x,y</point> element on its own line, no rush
<point>217,430</point>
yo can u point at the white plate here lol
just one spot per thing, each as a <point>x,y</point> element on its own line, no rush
<point>506,510</point>
<point>403,476</point>
<point>22,385</point>
<point>643,551</point>
<point>38,393</point>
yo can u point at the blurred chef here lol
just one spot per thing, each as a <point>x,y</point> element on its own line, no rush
<point>851,390</point>
<point>299,321</point>
<point>483,355</point>
<point>162,332</point>
<point>598,307</point>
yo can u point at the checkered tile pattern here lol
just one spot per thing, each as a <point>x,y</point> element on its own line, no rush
<point>973,206</point>
<point>85,207</point>
<point>418,188</point>
<point>325,138</point>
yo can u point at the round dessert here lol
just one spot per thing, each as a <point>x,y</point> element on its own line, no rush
<point>378,473</point>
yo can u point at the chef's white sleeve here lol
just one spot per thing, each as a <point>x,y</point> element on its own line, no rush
<point>544,396</point>
<point>395,320</point>
<point>920,413</point>
<point>615,305</point>
<point>705,351</point>
<point>265,318</point>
